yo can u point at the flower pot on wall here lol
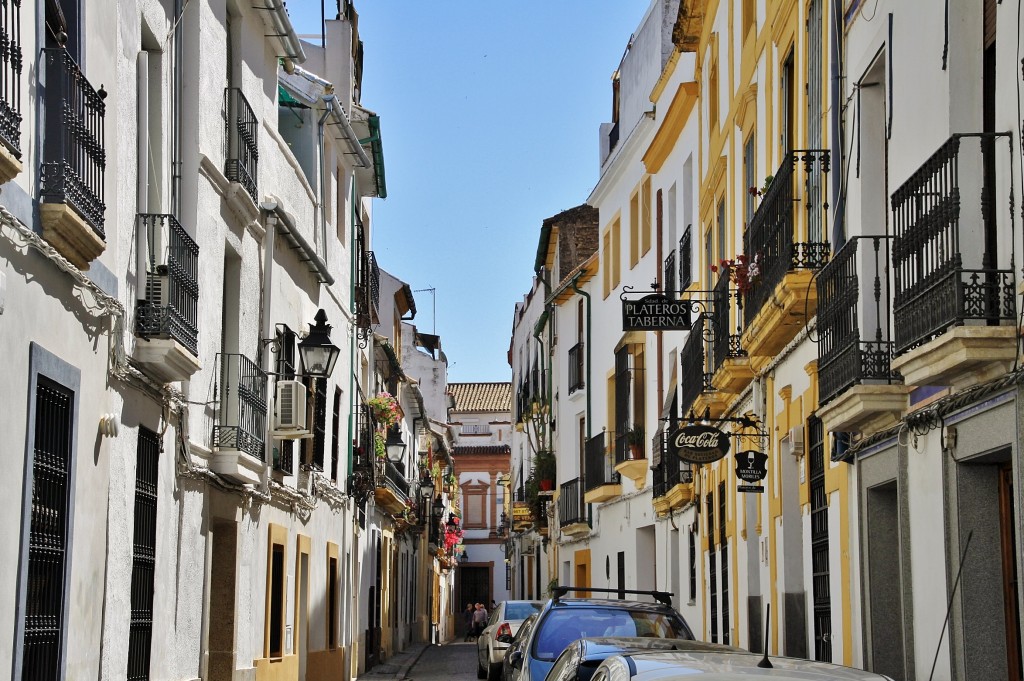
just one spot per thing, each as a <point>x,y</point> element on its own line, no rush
<point>636,451</point>
<point>545,485</point>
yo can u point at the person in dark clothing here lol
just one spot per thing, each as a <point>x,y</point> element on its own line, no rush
<point>467,621</point>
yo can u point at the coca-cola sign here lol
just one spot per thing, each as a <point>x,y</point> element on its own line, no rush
<point>699,443</point>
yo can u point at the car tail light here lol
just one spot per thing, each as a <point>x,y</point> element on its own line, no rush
<point>504,629</point>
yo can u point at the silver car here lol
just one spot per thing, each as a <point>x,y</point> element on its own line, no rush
<point>687,665</point>
<point>502,625</point>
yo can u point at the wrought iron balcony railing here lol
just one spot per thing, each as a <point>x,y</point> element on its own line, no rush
<point>242,157</point>
<point>242,411</point>
<point>597,468</point>
<point>947,265</point>
<point>771,237</point>
<point>726,345</point>
<point>576,367</point>
<point>74,153</point>
<point>367,286</point>
<point>669,278</point>
<point>854,341</point>
<point>694,377</point>
<point>571,509</point>
<point>169,304</point>
<point>362,481</point>
<point>394,479</point>
<point>685,259</point>
<point>672,471</point>
<point>10,75</point>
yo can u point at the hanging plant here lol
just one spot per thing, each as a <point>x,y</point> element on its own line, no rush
<point>743,271</point>
<point>378,445</point>
<point>385,409</point>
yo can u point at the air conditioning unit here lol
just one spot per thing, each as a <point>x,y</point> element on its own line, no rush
<point>157,287</point>
<point>290,406</point>
<point>796,441</point>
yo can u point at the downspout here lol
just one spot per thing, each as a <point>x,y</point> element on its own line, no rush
<point>329,104</point>
<point>838,137</point>
<point>353,242</point>
<point>269,239</point>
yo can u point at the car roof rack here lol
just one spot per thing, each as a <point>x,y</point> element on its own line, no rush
<point>664,597</point>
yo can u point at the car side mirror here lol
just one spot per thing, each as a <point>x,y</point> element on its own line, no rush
<point>516,659</point>
<point>505,638</point>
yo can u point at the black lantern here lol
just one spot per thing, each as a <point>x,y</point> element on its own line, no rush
<point>427,489</point>
<point>394,445</point>
<point>438,510</point>
<point>316,351</point>
<point>464,557</point>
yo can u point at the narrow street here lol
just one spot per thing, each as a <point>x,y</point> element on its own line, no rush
<point>453,661</point>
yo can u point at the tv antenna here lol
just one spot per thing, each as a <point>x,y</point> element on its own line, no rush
<point>433,306</point>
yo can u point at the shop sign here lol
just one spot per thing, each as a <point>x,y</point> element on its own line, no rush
<point>749,488</point>
<point>751,466</point>
<point>655,312</point>
<point>521,511</point>
<point>699,443</point>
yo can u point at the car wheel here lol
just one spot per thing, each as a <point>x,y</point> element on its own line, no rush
<point>494,672</point>
<point>481,672</point>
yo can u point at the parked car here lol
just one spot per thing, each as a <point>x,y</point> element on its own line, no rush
<point>563,620</point>
<point>508,672</point>
<point>502,625</point>
<point>722,666</point>
<point>581,659</point>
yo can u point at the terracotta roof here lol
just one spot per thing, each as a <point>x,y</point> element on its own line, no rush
<point>472,450</point>
<point>482,396</point>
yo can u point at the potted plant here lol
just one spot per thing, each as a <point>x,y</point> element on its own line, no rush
<point>635,440</point>
<point>544,469</point>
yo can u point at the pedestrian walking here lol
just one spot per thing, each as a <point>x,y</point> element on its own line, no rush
<point>467,621</point>
<point>479,620</point>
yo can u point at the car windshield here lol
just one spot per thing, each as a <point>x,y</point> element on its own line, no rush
<point>520,611</point>
<point>563,626</point>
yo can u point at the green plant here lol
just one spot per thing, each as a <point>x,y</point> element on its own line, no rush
<point>551,586</point>
<point>378,445</point>
<point>544,465</point>
<point>635,435</point>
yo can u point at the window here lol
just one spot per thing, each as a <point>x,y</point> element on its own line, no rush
<point>140,629</point>
<point>335,433</point>
<point>332,597</point>
<point>750,180</point>
<point>616,257</point>
<point>724,555</point>
<point>274,634</point>
<point>475,514</point>
<point>685,259</point>
<point>646,210</point>
<point>693,566</point>
<point>709,503</point>
<point>634,230</point>
<point>42,634</point>
<point>713,93</point>
<point>722,232</point>
<point>606,265</point>
<point>821,590</point>
<point>317,406</point>
<point>284,461</point>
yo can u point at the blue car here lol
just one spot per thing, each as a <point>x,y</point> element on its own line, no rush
<point>563,620</point>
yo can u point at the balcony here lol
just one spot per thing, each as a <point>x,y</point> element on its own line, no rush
<point>955,305</point>
<point>858,388</point>
<point>242,129</point>
<point>166,315</point>
<point>673,480</point>
<point>10,91</point>
<point>239,435</point>
<point>731,371</point>
<point>697,393</point>
<point>392,489</point>
<point>572,517</point>
<point>367,291</point>
<point>576,368</point>
<point>601,482</point>
<point>630,460</point>
<point>363,481</point>
<point>781,298</point>
<point>71,205</point>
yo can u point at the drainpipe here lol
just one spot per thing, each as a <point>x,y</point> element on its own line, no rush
<point>328,101</point>
<point>836,68</point>
<point>269,238</point>
<point>285,32</point>
<point>354,329</point>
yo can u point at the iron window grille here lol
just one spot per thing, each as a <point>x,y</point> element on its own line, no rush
<point>725,345</point>
<point>242,412</point>
<point>946,265</point>
<point>242,129</point>
<point>709,503</point>
<point>140,629</point>
<point>854,330</point>
<point>570,503</point>
<point>670,275</point>
<point>597,465</point>
<point>694,378</point>
<point>169,307</point>
<point>11,63</point>
<point>819,542</point>
<point>74,153</point>
<point>686,259</point>
<point>723,550</point>
<point>48,539</point>
<point>802,179</point>
<point>286,369</point>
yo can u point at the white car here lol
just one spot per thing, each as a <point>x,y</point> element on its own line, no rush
<point>502,625</point>
<point>696,665</point>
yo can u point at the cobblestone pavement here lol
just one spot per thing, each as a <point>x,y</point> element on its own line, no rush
<point>454,661</point>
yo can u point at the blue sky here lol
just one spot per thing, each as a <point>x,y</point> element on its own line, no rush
<point>489,117</point>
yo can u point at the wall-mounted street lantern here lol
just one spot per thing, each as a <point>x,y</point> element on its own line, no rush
<point>395,446</point>
<point>316,352</point>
